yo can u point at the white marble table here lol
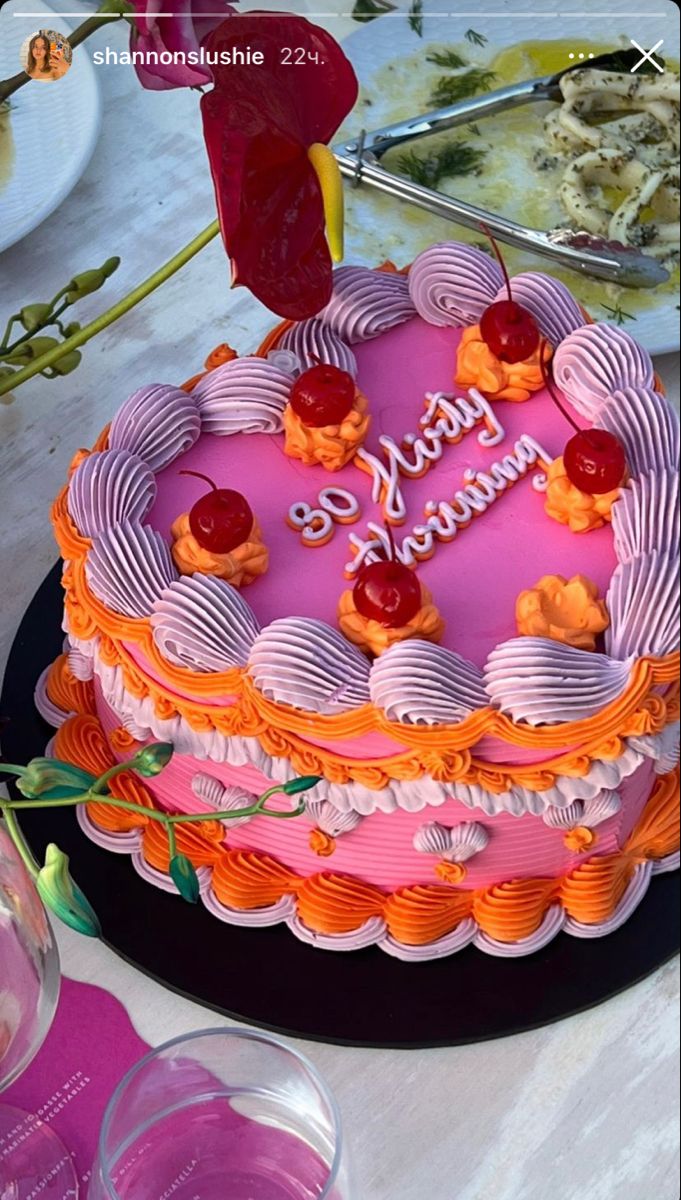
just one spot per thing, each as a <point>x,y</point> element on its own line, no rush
<point>583,1110</point>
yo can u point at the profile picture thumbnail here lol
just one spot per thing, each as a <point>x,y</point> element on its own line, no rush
<point>46,55</point>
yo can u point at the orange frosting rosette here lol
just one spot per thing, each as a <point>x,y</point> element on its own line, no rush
<point>568,505</point>
<point>568,611</point>
<point>373,637</point>
<point>240,567</point>
<point>332,446</point>
<point>477,366</point>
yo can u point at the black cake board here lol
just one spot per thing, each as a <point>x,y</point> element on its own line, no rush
<point>268,978</point>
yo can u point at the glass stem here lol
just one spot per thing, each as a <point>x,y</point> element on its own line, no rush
<point>20,842</point>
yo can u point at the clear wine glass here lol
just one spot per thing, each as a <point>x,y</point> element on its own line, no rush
<point>217,1114</point>
<point>33,1162</point>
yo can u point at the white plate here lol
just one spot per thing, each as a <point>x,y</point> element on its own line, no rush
<point>54,127</point>
<point>382,53</point>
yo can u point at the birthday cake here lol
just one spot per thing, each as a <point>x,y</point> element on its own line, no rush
<point>424,547</point>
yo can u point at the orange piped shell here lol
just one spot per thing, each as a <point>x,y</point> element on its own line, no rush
<point>321,843</point>
<point>67,692</point>
<point>509,912</point>
<point>337,904</point>
<point>426,912</point>
<point>580,838</point>
<point>244,879</point>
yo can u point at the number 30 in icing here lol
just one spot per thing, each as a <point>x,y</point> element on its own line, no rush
<point>316,525</point>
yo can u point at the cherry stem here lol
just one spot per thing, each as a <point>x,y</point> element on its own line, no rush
<point>551,390</point>
<point>391,540</point>
<point>502,264</point>
<point>206,478</point>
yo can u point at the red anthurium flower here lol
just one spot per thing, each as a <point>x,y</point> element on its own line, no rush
<point>172,45</point>
<point>277,185</point>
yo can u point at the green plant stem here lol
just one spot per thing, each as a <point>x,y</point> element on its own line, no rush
<point>9,86</point>
<point>172,841</point>
<point>52,319</point>
<point>11,382</point>
<point>253,810</point>
<point>19,840</point>
<point>100,785</point>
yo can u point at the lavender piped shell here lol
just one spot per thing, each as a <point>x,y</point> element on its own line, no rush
<point>419,683</point>
<point>128,567</point>
<point>452,284</point>
<point>544,682</point>
<point>246,395</point>
<point>647,427</point>
<point>313,341</point>
<point>553,307</point>
<point>456,844</point>
<point>108,487</point>
<point>564,818</point>
<point>158,423</point>
<point>366,303</point>
<point>646,517</point>
<point>204,623</point>
<point>331,820</point>
<point>223,799</point>
<point>306,663</point>
<point>601,807</point>
<point>643,603</point>
<point>597,360</point>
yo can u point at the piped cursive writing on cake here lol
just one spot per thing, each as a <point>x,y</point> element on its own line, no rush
<point>446,419</point>
<point>445,518</point>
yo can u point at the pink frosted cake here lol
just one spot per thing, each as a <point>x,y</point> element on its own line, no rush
<point>394,573</point>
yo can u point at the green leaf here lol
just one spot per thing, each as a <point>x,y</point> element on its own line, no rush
<point>67,364</point>
<point>72,328</point>
<point>51,779</point>
<point>33,315</point>
<point>302,784</point>
<point>184,877</point>
<point>63,897</point>
<point>152,759</point>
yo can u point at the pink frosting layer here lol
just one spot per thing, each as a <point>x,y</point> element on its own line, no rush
<point>475,597</point>
<point>380,850</point>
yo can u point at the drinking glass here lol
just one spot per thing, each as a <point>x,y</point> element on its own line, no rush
<point>221,1115</point>
<point>33,1162</point>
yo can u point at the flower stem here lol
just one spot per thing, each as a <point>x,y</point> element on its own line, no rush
<point>11,382</point>
<point>19,840</point>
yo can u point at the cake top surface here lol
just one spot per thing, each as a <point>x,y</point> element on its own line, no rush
<point>401,337</point>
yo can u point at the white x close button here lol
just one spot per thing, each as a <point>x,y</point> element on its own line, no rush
<point>648,56</point>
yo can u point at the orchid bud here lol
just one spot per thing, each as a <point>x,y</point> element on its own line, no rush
<point>183,875</point>
<point>302,784</point>
<point>152,759</point>
<point>63,897</point>
<point>33,315</point>
<point>67,363</point>
<point>51,779</point>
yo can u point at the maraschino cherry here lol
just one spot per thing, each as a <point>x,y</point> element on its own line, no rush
<point>387,591</point>
<point>222,519</point>
<point>509,330</point>
<point>323,395</point>
<point>594,459</point>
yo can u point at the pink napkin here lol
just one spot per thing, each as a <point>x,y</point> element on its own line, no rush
<point>87,1052</point>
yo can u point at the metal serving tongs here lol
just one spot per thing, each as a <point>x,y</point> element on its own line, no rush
<point>584,252</point>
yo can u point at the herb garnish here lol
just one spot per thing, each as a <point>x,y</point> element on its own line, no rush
<point>416,17</point>
<point>447,58</point>
<point>457,158</point>
<point>476,39</point>
<point>452,88</point>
